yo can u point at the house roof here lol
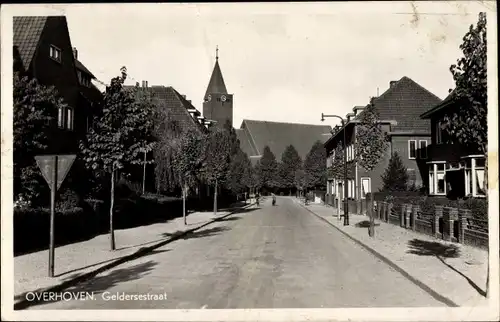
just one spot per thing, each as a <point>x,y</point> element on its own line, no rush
<point>254,135</point>
<point>402,105</point>
<point>216,84</point>
<point>80,66</point>
<point>404,102</point>
<point>178,106</point>
<point>448,101</point>
<point>27,32</point>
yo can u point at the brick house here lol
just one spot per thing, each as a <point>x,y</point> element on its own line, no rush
<point>399,109</point>
<point>42,50</point>
<point>452,170</point>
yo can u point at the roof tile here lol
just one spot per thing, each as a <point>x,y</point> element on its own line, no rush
<point>27,31</point>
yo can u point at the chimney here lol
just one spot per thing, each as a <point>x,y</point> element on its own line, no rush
<point>75,53</point>
<point>146,83</point>
<point>184,96</point>
<point>189,101</point>
<point>143,83</point>
<point>392,83</point>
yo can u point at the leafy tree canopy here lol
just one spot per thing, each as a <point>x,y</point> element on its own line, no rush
<point>267,169</point>
<point>34,122</point>
<point>371,141</point>
<point>315,166</point>
<point>290,163</point>
<point>468,124</point>
<point>122,130</point>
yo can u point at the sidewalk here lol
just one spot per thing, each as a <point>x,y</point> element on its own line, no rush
<point>454,271</point>
<point>76,260</point>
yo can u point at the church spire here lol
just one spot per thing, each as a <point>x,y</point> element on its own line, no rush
<point>216,84</point>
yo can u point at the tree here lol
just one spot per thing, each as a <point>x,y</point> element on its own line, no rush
<point>189,158</point>
<point>240,173</point>
<point>468,124</point>
<point>168,135</point>
<point>267,170</point>
<point>290,163</point>
<point>395,177</point>
<point>34,122</point>
<point>121,132</point>
<point>218,159</point>
<point>371,141</point>
<point>315,166</point>
<point>300,179</point>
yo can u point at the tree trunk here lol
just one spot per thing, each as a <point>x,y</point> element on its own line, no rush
<point>215,198</point>
<point>184,204</point>
<point>112,204</point>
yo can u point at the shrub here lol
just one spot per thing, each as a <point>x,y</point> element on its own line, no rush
<point>395,177</point>
<point>68,199</point>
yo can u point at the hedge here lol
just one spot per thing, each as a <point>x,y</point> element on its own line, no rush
<point>91,218</point>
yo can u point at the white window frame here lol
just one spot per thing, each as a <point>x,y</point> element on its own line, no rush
<point>420,150</point>
<point>409,149</point>
<point>470,176</point>
<point>433,178</point>
<point>55,53</point>
<point>363,195</point>
<point>60,117</point>
<point>70,118</point>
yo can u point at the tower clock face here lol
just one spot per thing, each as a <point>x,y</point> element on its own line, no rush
<point>209,97</point>
<point>223,98</point>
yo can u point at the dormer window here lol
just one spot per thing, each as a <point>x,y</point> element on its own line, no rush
<point>55,53</point>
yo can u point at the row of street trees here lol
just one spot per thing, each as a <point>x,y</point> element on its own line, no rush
<point>292,173</point>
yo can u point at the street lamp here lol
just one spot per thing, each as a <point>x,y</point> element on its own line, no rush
<point>346,210</point>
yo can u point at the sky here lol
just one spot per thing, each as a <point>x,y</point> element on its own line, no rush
<point>284,62</point>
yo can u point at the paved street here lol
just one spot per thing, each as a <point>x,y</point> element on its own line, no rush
<point>272,257</point>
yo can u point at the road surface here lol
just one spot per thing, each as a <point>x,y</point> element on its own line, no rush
<point>267,257</point>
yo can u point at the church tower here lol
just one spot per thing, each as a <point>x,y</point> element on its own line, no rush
<point>217,103</point>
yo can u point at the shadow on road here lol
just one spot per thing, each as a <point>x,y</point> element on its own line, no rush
<point>93,284</point>
<point>365,224</point>
<point>197,234</point>
<point>440,251</point>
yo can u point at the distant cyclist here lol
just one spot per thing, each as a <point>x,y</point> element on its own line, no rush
<point>257,198</point>
<point>274,199</point>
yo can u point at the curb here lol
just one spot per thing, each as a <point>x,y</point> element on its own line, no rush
<point>396,267</point>
<point>24,303</point>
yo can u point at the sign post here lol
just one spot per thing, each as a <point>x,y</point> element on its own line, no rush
<point>54,169</point>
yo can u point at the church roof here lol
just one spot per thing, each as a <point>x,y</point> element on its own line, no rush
<point>216,84</point>
<point>254,135</point>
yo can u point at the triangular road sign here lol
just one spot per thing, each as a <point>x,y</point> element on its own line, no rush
<point>47,165</point>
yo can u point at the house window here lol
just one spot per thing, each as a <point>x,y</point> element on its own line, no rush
<point>437,178</point>
<point>474,176</point>
<point>423,149</point>
<point>412,149</point>
<point>55,53</point>
<point>60,117</point>
<point>440,179</point>
<point>69,118</point>
<point>366,186</point>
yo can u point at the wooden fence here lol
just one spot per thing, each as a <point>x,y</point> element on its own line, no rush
<point>450,224</point>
